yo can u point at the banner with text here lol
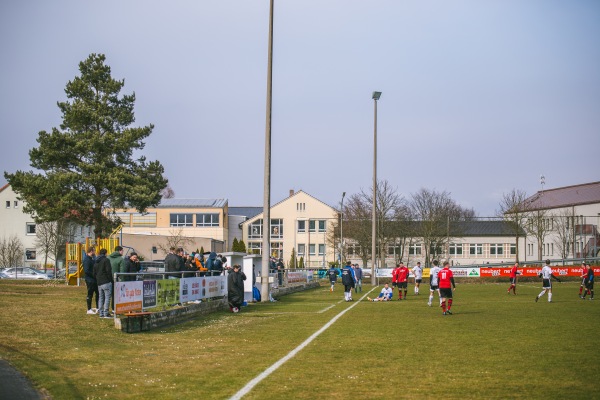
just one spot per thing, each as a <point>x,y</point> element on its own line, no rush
<point>128,296</point>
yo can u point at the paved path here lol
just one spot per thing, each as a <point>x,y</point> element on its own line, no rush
<point>14,386</point>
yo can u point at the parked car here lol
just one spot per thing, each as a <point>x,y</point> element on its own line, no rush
<point>24,273</point>
<point>3,275</point>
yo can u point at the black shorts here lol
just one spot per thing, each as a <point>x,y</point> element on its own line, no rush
<point>513,281</point>
<point>446,293</point>
<point>402,285</point>
<point>433,287</point>
<point>393,284</point>
<point>546,284</point>
<point>418,280</point>
<point>589,285</point>
<point>333,282</point>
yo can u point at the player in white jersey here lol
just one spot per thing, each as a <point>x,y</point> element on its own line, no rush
<point>418,273</point>
<point>433,282</point>
<point>386,294</point>
<point>546,276</point>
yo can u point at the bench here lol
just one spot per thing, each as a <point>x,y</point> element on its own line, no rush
<point>135,316</point>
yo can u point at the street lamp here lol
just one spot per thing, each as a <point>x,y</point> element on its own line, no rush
<point>376,96</point>
<point>266,242</point>
<point>342,231</point>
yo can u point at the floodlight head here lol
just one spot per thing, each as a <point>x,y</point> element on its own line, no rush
<point>376,95</point>
<point>344,194</point>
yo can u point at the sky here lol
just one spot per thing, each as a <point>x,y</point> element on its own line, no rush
<point>478,97</point>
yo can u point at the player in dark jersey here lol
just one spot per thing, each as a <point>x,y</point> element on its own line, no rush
<point>589,283</point>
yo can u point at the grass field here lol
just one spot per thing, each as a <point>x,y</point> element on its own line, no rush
<point>494,346</point>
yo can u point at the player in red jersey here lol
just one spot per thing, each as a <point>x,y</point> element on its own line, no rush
<point>583,277</point>
<point>400,277</point>
<point>513,278</point>
<point>446,284</point>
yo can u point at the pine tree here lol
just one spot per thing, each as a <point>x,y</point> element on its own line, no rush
<point>87,165</point>
<point>292,263</point>
<point>202,250</point>
<point>242,246</point>
<point>235,246</point>
<point>301,263</point>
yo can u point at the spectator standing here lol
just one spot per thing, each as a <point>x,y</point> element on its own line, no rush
<point>446,282</point>
<point>546,276</point>
<point>513,279</point>
<point>180,259</point>
<point>349,281</point>
<point>332,274</point>
<point>433,282</point>
<point>117,263</point>
<point>589,283</point>
<point>171,262</point>
<point>90,280</point>
<point>358,274</point>
<point>235,288</point>
<point>217,266</point>
<point>132,265</point>
<point>280,268</point>
<point>104,280</point>
<point>418,273</point>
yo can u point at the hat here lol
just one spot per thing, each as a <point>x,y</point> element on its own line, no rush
<point>237,266</point>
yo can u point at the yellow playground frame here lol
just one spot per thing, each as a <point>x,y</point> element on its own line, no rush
<point>76,251</point>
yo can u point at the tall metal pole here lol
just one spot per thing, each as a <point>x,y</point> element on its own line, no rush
<point>342,231</point>
<point>374,221</point>
<point>266,231</point>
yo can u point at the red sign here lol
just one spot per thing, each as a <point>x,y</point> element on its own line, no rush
<point>534,271</point>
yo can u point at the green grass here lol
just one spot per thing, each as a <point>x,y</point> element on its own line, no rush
<point>494,346</point>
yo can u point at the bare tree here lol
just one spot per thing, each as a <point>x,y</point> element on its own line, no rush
<point>167,192</point>
<point>515,211</point>
<point>12,252</point>
<point>563,228</point>
<point>434,211</point>
<point>357,225</point>
<point>175,239</point>
<point>51,238</point>
<point>538,226</point>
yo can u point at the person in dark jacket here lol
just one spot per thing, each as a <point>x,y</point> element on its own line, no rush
<point>132,265</point>
<point>171,262</point>
<point>235,288</point>
<point>349,281</point>
<point>90,280</point>
<point>104,280</point>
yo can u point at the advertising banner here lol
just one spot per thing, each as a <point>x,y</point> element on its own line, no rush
<point>167,292</point>
<point>214,286</point>
<point>296,277</point>
<point>128,296</point>
<point>534,271</point>
<point>149,294</point>
<point>190,289</point>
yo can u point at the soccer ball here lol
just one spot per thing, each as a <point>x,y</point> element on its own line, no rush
<point>235,309</point>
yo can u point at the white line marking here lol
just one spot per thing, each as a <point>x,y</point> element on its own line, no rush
<point>329,308</point>
<point>250,385</point>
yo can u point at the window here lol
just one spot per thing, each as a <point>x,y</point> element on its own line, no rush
<point>300,206</point>
<point>301,249</point>
<point>394,250</point>
<point>301,226</point>
<point>16,204</point>
<point>277,249</point>
<point>311,226</point>
<point>277,228</point>
<point>30,254</point>
<point>321,249</point>
<point>496,249</point>
<point>455,249</point>
<point>475,249</point>
<point>435,250</point>
<point>148,219</point>
<point>311,249</point>
<point>254,247</point>
<point>414,249</point>
<point>207,219</point>
<point>255,229</point>
<point>30,227</point>
<point>513,249</point>
<point>181,220</point>
<point>322,225</point>
<point>7,203</point>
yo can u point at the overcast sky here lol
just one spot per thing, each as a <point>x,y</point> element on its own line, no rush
<point>479,97</point>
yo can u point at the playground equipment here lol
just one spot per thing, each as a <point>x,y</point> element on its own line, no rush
<point>76,251</point>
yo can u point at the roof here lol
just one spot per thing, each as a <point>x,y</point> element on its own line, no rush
<point>192,203</point>
<point>247,212</point>
<point>483,228</point>
<point>576,195</point>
